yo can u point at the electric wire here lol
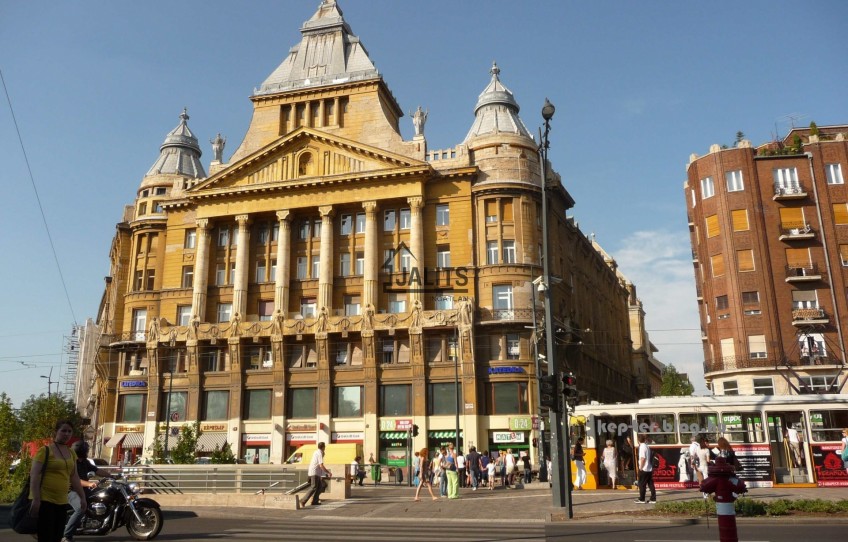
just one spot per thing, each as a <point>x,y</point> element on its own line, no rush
<point>37,197</point>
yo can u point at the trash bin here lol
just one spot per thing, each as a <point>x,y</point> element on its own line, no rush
<point>376,475</point>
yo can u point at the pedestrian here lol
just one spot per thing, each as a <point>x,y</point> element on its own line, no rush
<point>357,471</point>
<point>423,479</point>
<point>683,466</point>
<point>725,450</point>
<point>451,473</point>
<point>490,474</point>
<point>577,456</point>
<point>843,452</point>
<point>609,461</point>
<point>484,466</point>
<point>703,459</point>
<point>472,464</point>
<point>501,467</point>
<point>627,455</point>
<point>416,468</point>
<point>510,467</point>
<point>316,474</point>
<point>49,493</point>
<point>549,466</point>
<point>646,471</point>
<point>443,472</point>
<point>528,468</point>
<point>795,445</point>
<point>84,467</point>
<point>460,468</point>
<point>695,459</point>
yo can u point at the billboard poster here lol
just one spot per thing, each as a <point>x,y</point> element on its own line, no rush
<point>830,471</point>
<point>674,472</point>
<point>755,460</point>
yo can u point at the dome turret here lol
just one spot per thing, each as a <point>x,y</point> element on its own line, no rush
<point>496,111</point>
<point>180,153</point>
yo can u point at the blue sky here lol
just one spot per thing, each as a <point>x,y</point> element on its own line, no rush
<point>638,87</point>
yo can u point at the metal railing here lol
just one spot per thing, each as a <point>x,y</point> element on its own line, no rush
<point>508,315</point>
<point>803,315</point>
<point>180,479</point>
<point>796,190</point>
<point>808,270</point>
<point>799,230</point>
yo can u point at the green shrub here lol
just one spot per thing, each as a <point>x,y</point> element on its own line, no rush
<point>749,507</point>
<point>694,507</point>
<point>779,507</point>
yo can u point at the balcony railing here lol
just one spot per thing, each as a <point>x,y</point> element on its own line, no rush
<point>729,363</point>
<point>509,315</point>
<point>125,337</point>
<point>815,316</point>
<point>789,192</point>
<point>797,232</point>
<point>808,272</point>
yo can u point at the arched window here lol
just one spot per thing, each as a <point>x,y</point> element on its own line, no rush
<point>304,164</point>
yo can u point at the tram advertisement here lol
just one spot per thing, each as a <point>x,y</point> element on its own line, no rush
<point>756,465</point>
<point>674,472</point>
<point>830,471</point>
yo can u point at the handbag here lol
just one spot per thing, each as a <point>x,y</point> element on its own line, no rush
<point>19,519</point>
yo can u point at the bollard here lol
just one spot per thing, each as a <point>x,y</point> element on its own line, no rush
<point>726,487</point>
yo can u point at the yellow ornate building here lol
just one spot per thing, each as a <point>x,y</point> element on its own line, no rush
<point>333,281</point>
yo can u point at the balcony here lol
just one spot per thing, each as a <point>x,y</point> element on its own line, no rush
<point>797,233</point>
<point>125,337</point>
<point>789,192</point>
<point>805,317</point>
<point>806,273</point>
<point>508,315</point>
<point>731,363</point>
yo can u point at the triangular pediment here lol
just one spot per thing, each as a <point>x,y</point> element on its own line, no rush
<point>306,157</point>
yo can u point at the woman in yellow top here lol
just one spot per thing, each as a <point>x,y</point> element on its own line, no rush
<point>50,495</point>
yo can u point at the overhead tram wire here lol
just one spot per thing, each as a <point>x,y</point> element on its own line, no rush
<point>37,198</point>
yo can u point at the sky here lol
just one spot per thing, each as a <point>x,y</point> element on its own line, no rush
<point>638,86</point>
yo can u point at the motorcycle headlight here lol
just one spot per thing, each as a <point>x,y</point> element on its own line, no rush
<point>134,489</point>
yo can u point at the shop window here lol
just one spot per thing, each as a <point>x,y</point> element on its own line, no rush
<point>216,405</point>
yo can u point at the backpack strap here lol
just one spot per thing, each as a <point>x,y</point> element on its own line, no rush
<point>44,465</point>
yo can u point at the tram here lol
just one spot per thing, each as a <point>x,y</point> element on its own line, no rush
<point>779,440</point>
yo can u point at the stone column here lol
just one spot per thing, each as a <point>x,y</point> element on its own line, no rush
<point>416,246</point>
<point>242,264</point>
<point>336,112</point>
<point>325,275</point>
<point>281,279</point>
<point>372,256</point>
<point>201,270</point>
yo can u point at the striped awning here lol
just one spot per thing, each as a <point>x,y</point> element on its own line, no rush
<point>116,440</point>
<point>394,435</point>
<point>444,434</point>
<point>209,441</point>
<point>172,441</point>
<point>133,440</point>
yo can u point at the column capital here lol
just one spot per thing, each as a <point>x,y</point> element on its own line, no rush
<point>243,220</point>
<point>326,211</point>
<point>369,206</point>
<point>202,223</point>
<point>415,202</point>
<point>284,216</point>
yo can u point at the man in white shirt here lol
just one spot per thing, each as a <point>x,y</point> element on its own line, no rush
<point>795,444</point>
<point>646,471</point>
<point>316,474</point>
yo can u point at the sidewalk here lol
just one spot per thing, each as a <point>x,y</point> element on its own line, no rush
<point>530,504</point>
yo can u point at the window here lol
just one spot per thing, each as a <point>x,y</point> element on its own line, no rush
<point>734,181</point>
<point>150,279</point>
<point>220,274</point>
<point>389,220</point>
<point>443,259</point>
<point>346,226</point>
<point>397,303</point>
<point>265,310</point>
<point>395,400</point>
<point>275,231</point>
<point>786,180</point>
<point>442,399</point>
<point>660,426</point>
<point>142,208</point>
<point>262,233</point>
<point>302,355</point>
<point>225,312</point>
<point>698,424</point>
<point>351,305</point>
<point>139,324</point>
<point>502,297</point>
<point>491,211</point>
<point>840,214</point>
<point>216,405</point>
<point>717,263</point>
<point>757,346</point>
<point>442,215</point>
<point>232,273</point>
<point>157,207</point>
<point>513,346</point>
<point>188,276</point>
<point>190,239</point>
<point>743,427</point>
<point>393,350</point>
<point>301,403</point>
<point>491,252</point>
<point>827,425</point>
<point>223,236</point>
<point>389,261</point>
<point>707,188</point>
<point>745,260</point>
<point>257,405</point>
<point>509,252</point>
<point>817,384</point>
<point>405,219</point>
<point>798,258</point>
<point>344,264</point>
<point>131,408</point>
<point>316,266</point>
<point>360,222</point>
<point>834,173</point>
<point>183,315</point>
<point>138,284</point>
<point>176,405</point>
<point>347,402</point>
<point>303,231</point>
<point>360,263</point>
<point>792,218</point>
<point>443,302</point>
<point>739,217</point>
<point>213,358</point>
<point>316,228</point>
<point>405,260</point>
<point>728,349</point>
<point>721,302</point>
<point>273,272</point>
<point>804,299</point>
<point>300,268</point>
<point>506,215</point>
<point>159,191</point>
<point>508,398</point>
<point>260,271</point>
<point>713,227</point>
<point>751,298</point>
<point>763,386</point>
<point>307,307</point>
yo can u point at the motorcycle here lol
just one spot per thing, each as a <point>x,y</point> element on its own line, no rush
<point>114,503</point>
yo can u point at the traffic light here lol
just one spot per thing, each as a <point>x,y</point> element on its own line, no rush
<point>569,387</point>
<point>414,430</point>
<point>548,392</point>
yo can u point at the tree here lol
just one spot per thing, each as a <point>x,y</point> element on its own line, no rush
<point>185,451</point>
<point>739,137</point>
<point>38,416</point>
<point>158,446</point>
<point>674,383</point>
<point>10,446</point>
<point>223,455</point>
<point>814,129</point>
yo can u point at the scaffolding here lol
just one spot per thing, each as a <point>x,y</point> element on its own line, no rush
<point>71,349</point>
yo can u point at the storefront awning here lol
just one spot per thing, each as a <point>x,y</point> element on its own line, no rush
<point>209,441</point>
<point>444,434</point>
<point>172,441</point>
<point>115,440</point>
<point>394,435</point>
<point>133,440</point>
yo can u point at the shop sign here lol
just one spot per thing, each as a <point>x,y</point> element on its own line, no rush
<point>507,436</point>
<point>129,429</point>
<point>505,370</point>
<point>256,437</point>
<point>213,427</point>
<point>521,423</point>
<point>134,384</point>
<point>402,424</point>
<point>302,427</point>
<point>300,437</point>
<point>347,437</point>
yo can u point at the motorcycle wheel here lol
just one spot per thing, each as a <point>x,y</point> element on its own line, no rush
<point>148,530</point>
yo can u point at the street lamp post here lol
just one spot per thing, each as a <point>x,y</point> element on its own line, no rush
<point>561,482</point>
<point>540,447</point>
<point>50,383</point>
